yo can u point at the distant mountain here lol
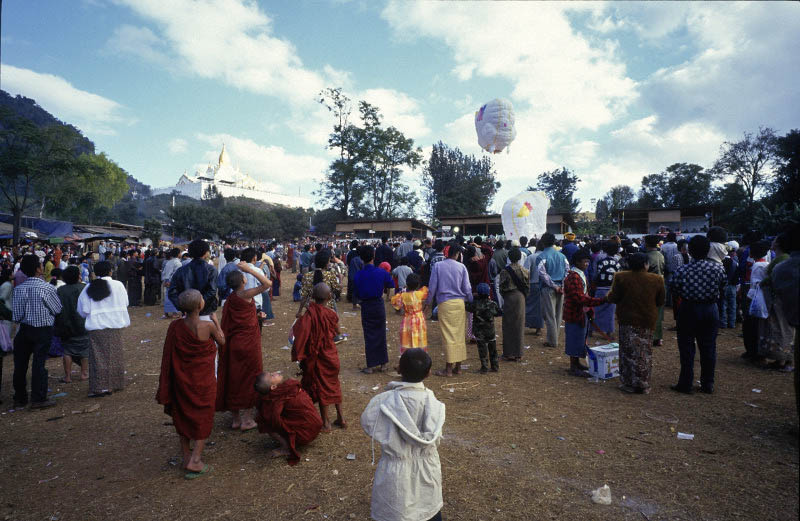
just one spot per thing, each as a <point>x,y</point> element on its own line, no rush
<point>27,108</point>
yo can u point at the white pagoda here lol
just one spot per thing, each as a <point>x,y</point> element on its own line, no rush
<point>229,181</point>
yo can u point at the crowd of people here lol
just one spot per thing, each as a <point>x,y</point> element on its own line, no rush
<point>616,290</point>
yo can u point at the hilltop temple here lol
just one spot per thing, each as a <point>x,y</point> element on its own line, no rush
<point>229,181</point>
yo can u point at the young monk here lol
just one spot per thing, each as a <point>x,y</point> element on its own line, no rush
<point>240,361</point>
<point>315,349</point>
<point>186,387</point>
<point>286,412</point>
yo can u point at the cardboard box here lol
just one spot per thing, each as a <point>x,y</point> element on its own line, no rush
<point>604,361</point>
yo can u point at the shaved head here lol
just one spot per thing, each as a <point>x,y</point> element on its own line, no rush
<point>190,300</point>
<point>321,293</point>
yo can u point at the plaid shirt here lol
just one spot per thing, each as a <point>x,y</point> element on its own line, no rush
<point>576,298</point>
<point>36,303</point>
<point>699,281</point>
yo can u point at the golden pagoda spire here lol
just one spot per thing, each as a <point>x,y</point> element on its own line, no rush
<point>223,157</point>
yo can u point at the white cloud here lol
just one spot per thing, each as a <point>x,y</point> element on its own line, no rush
<point>742,73</point>
<point>568,82</point>
<point>278,169</point>
<point>177,145</point>
<point>139,41</point>
<point>92,113</point>
<point>398,110</point>
<point>229,40</point>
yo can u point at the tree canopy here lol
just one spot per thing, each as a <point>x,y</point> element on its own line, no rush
<point>560,186</point>
<point>366,180</point>
<point>457,184</point>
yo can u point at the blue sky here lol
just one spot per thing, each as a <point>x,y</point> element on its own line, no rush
<point>612,90</point>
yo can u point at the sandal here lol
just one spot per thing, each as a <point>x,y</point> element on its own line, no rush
<point>367,370</point>
<point>195,475</point>
<point>63,381</point>
<point>443,373</point>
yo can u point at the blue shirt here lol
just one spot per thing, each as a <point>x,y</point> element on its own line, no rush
<point>371,281</point>
<point>222,278</point>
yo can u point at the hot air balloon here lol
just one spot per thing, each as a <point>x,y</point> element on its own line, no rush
<point>525,215</point>
<point>494,123</point>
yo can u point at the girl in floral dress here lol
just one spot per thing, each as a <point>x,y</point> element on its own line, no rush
<point>413,330</point>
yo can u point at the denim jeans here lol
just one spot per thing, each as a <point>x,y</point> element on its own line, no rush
<point>31,341</point>
<point>727,316</point>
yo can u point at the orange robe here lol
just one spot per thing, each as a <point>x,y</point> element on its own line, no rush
<point>240,358</point>
<point>288,410</point>
<point>186,387</point>
<point>314,348</point>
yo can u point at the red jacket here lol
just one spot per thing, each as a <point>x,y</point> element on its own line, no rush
<point>576,299</point>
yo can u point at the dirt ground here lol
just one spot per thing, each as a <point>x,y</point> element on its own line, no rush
<point>528,443</point>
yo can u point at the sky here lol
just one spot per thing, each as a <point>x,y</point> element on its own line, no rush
<point>613,91</point>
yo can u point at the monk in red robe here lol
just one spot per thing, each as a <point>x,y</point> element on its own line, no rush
<point>240,361</point>
<point>315,350</point>
<point>186,386</point>
<point>286,412</point>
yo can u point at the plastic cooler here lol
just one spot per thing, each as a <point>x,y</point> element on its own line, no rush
<point>604,361</point>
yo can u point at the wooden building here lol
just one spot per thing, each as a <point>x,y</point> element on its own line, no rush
<point>374,228</point>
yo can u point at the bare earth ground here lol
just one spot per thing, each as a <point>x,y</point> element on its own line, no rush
<point>526,443</point>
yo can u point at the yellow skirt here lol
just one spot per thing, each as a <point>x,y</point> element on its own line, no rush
<point>453,323</point>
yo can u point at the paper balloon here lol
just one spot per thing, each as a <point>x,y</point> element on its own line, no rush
<point>525,215</point>
<point>494,123</point>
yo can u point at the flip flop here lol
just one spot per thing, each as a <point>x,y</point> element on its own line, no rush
<point>443,374</point>
<point>195,475</point>
<point>367,370</point>
<point>61,380</point>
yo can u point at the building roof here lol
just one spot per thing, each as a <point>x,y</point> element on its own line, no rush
<point>414,222</point>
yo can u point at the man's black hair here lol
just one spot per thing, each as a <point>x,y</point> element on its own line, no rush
<point>548,239</point>
<point>28,265</point>
<point>699,246</point>
<point>198,248</point>
<point>367,253</point>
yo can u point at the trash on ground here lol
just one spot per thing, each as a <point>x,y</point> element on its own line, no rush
<point>602,496</point>
<point>144,341</point>
<point>754,406</point>
<point>685,436</point>
<point>59,395</point>
<point>756,390</point>
<point>46,480</point>
<point>351,456</point>
<point>376,387</point>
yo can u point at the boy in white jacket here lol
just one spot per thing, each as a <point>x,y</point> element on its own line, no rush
<point>407,421</point>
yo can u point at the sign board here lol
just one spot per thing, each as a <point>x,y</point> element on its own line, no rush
<point>445,228</point>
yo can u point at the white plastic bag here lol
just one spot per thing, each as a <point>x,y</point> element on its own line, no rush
<point>758,306</point>
<point>6,344</point>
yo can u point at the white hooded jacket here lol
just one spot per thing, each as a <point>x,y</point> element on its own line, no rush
<point>407,421</point>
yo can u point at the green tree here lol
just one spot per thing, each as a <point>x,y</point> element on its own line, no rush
<point>730,208</point>
<point>324,221</point>
<point>152,230</point>
<point>212,197</point>
<point>654,191</point>
<point>457,184</point>
<point>560,186</point>
<point>749,161</point>
<point>342,188</point>
<point>33,161</point>
<point>92,186</point>
<point>617,198</point>
<point>785,186</point>
<point>688,185</point>
<point>384,153</point>
<point>681,185</point>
